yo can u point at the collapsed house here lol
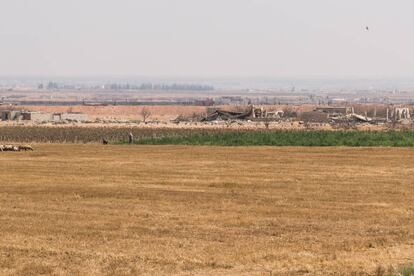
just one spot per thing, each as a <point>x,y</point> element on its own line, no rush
<point>221,115</point>
<point>335,110</point>
<point>252,113</point>
<point>263,113</point>
<point>399,113</point>
<point>334,115</point>
<point>325,114</point>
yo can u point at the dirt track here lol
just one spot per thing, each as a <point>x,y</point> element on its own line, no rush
<point>90,209</point>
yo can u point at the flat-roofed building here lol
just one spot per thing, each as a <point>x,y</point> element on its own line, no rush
<point>37,116</point>
<point>9,115</point>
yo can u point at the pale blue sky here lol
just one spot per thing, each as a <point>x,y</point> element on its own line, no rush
<point>207,38</point>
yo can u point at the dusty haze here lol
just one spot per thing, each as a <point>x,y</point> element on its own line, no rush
<point>207,38</point>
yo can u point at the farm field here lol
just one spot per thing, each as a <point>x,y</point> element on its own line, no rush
<point>71,209</point>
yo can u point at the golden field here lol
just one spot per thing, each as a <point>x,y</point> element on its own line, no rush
<point>156,210</point>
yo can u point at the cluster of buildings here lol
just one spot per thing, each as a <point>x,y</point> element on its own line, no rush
<point>387,114</point>
<point>42,117</point>
<point>251,113</point>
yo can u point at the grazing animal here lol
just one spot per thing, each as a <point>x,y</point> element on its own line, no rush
<point>8,148</point>
<point>15,148</point>
<point>25,148</point>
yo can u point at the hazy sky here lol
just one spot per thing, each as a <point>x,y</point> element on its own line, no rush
<point>207,37</point>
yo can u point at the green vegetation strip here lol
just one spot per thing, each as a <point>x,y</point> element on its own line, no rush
<point>216,137</point>
<point>286,138</point>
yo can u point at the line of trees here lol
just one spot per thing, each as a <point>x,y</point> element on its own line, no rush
<point>152,86</point>
<point>126,86</point>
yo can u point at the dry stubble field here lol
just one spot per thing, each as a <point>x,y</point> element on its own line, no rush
<point>120,210</point>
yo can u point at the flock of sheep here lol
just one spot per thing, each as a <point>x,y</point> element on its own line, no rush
<point>15,148</point>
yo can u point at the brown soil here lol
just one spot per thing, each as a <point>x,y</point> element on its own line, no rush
<point>121,210</point>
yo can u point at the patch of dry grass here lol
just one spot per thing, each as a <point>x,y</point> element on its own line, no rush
<point>120,210</point>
